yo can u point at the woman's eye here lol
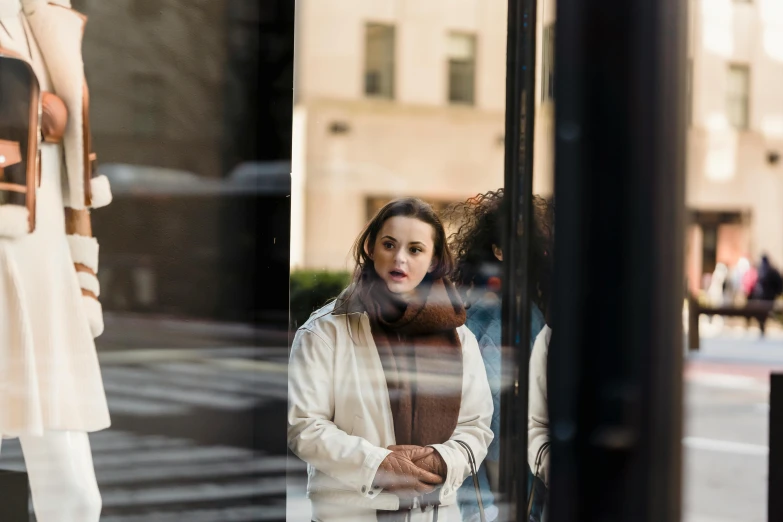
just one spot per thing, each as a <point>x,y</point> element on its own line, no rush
<point>415,250</point>
<point>388,245</point>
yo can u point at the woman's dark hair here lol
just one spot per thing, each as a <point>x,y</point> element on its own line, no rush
<point>481,227</point>
<point>403,207</point>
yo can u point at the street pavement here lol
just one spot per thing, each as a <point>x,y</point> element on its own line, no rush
<point>198,424</point>
<point>727,423</point>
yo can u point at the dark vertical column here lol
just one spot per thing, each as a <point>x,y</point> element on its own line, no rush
<point>520,112</point>
<point>615,363</point>
<point>14,506</point>
<point>693,322</point>
<point>775,486</point>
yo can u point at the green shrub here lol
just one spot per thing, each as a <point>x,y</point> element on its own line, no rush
<point>311,289</point>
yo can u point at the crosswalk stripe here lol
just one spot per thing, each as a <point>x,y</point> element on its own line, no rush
<point>211,471</point>
<point>193,493</point>
<point>192,397</point>
<point>725,446</point>
<point>144,407</point>
<point>239,514</point>
<point>144,355</point>
<point>218,383</point>
<point>99,445</point>
<point>169,456</point>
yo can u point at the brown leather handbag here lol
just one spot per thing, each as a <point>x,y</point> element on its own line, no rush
<point>19,144</point>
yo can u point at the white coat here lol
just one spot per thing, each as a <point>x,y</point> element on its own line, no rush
<point>340,418</point>
<point>538,408</point>
<point>50,378</point>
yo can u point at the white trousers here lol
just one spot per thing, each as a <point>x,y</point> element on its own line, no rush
<point>62,477</point>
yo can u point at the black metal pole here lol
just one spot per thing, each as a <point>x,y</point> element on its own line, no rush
<point>775,484</point>
<point>15,503</point>
<point>520,112</point>
<point>615,362</point>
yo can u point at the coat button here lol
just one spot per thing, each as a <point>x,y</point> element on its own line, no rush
<point>364,489</point>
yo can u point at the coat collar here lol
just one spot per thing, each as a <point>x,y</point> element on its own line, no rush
<point>58,31</point>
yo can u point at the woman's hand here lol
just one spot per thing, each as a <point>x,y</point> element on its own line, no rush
<point>425,458</point>
<point>432,462</point>
<point>399,474</point>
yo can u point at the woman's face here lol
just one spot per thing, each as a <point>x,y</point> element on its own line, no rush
<point>403,253</point>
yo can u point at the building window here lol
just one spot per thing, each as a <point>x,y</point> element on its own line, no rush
<point>144,9</point>
<point>379,61</point>
<point>548,64</point>
<point>738,96</point>
<point>148,98</point>
<point>462,68</point>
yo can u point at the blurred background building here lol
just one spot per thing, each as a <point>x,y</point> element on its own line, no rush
<point>735,137</point>
<point>155,81</point>
<point>189,136</point>
<point>409,100</point>
<point>166,84</point>
<point>391,99</point>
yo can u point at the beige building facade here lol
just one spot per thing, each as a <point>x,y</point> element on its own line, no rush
<point>361,139</point>
<point>735,139</point>
<point>366,132</point>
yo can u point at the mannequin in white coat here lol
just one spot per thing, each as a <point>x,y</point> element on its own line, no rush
<point>52,392</point>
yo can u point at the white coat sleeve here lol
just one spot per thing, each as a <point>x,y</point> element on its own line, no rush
<point>475,414</point>
<point>312,435</point>
<point>538,409</point>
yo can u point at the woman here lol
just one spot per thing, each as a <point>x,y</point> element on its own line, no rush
<point>538,408</point>
<point>52,392</point>
<point>385,382</point>
<point>477,245</point>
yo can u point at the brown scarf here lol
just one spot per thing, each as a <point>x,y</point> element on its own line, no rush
<point>422,360</point>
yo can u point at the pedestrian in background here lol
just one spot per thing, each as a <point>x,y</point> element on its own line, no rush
<point>769,283</point>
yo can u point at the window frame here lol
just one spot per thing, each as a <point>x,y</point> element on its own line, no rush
<point>392,69</point>
<point>730,96</point>
<point>450,62</point>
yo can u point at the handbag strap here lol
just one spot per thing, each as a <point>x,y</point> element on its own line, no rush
<point>474,472</point>
<point>537,464</point>
<point>540,456</point>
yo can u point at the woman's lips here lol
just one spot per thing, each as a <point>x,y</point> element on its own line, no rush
<point>397,275</point>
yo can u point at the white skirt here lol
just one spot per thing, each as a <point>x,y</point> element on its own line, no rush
<point>49,373</point>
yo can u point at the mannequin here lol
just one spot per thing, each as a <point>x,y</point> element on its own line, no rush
<point>51,391</point>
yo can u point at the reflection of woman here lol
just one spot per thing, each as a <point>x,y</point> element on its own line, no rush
<point>384,381</point>
<point>52,393</point>
<point>538,410</point>
<point>479,267</point>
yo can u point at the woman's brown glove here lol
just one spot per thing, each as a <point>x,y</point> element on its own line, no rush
<point>398,473</point>
<point>433,463</point>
